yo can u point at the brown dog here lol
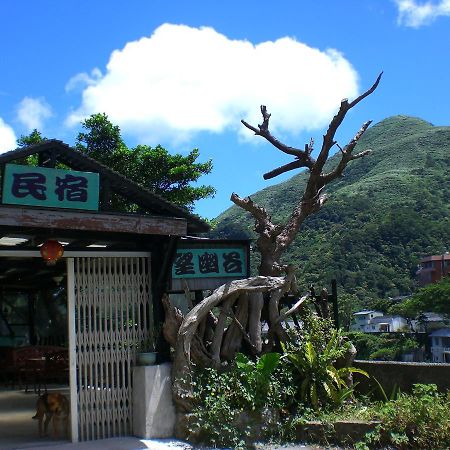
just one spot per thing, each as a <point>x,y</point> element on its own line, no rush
<point>52,406</point>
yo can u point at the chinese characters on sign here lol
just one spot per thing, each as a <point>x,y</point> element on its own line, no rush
<point>207,262</point>
<point>41,186</point>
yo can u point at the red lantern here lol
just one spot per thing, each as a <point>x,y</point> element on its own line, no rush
<point>51,251</point>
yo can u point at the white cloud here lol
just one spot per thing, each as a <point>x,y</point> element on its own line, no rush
<point>83,79</point>
<point>32,112</point>
<point>414,14</point>
<point>183,80</point>
<point>7,137</point>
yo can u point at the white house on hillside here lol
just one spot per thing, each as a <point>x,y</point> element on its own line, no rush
<point>362,320</point>
<point>376,322</point>
<point>440,345</point>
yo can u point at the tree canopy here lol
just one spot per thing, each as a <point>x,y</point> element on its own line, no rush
<point>434,297</point>
<point>172,176</point>
<point>33,138</point>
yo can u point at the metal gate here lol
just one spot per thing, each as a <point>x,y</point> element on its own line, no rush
<point>113,317</point>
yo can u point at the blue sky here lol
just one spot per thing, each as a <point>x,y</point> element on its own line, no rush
<point>184,73</point>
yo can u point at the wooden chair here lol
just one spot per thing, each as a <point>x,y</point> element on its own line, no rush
<point>57,367</point>
<point>30,365</point>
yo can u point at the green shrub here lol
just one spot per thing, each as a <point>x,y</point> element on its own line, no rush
<point>253,392</point>
<point>420,420</point>
<point>385,347</point>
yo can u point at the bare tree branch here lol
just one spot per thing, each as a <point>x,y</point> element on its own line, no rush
<point>347,156</point>
<point>263,130</point>
<point>286,168</point>
<point>328,139</point>
<point>274,239</point>
<point>368,92</point>
<point>294,308</point>
<point>263,220</point>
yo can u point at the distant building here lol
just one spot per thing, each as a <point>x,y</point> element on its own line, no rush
<point>388,324</point>
<point>433,268</point>
<point>440,345</point>
<point>428,321</point>
<point>362,320</point>
<point>376,322</point>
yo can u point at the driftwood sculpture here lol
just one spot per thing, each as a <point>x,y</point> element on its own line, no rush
<point>232,317</point>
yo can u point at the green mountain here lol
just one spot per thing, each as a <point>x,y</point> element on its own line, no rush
<point>389,209</point>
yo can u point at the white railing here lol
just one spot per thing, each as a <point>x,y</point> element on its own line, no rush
<point>440,350</point>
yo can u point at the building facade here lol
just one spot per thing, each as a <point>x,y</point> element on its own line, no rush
<point>103,285</point>
<point>433,268</point>
<point>440,345</point>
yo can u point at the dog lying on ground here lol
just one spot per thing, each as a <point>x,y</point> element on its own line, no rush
<point>52,406</point>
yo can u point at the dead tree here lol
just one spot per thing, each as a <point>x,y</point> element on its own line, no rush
<point>274,239</point>
<point>207,339</point>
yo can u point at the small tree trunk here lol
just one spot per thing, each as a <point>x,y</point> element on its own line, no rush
<point>220,328</point>
<point>256,303</point>
<point>233,338</point>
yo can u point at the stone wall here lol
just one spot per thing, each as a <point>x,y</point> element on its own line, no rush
<point>402,375</point>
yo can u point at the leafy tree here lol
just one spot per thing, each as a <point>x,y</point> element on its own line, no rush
<point>35,137</point>
<point>431,298</point>
<point>170,176</point>
<point>173,177</point>
<point>347,305</point>
<point>101,138</point>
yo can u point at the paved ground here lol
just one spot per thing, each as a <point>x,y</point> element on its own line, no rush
<point>131,443</point>
<point>19,432</point>
<point>126,443</point>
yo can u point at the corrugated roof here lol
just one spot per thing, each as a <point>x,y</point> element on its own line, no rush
<point>363,313</point>
<point>443,332</point>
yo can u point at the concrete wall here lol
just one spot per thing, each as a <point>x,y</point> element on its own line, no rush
<point>153,410</point>
<point>402,375</point>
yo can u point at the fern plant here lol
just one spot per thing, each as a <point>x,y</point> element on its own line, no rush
<point>319,380</point>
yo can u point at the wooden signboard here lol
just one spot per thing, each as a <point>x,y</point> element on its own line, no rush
<point>207,264</point>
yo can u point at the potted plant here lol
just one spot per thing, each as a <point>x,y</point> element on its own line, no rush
<point>147,353</point>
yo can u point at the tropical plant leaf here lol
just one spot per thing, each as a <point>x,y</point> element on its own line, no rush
<point>345,393</point>
<point>346,370</point>
<point>244,363</point>
<point>334,375</point>
<point>310,353</point>
<point>332,343</point>
<point>314,396</point>
<point>267,363</point>
<point>380,389</point>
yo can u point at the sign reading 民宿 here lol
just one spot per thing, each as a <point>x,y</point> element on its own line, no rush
<point>42,186</point>
<point>209,262</point>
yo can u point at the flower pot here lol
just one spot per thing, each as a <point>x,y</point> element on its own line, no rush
<point>146,358</point>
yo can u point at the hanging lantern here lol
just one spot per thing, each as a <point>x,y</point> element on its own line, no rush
<point>51,251</point>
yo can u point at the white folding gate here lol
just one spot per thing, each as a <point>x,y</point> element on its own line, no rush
<point>112,318</point>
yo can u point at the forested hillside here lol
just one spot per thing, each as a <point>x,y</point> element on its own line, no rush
<point>390,208</point>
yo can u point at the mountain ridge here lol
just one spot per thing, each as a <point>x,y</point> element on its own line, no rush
<point>390,208</point>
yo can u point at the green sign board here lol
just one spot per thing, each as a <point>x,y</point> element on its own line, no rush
<point>41,186</point>
<point>209,262</point>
